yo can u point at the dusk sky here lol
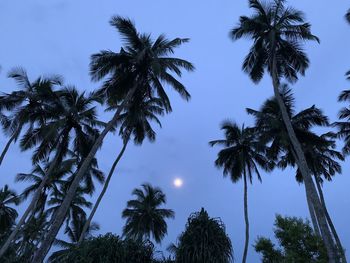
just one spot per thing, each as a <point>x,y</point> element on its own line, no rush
<point>58,37</point>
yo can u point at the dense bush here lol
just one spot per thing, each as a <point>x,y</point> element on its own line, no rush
<point>297,242</point>
<point>107,249</point>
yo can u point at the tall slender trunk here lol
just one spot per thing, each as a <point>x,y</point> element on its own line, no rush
<point>7,146</point>
<point>309,203</point>
<point>62,211</point>
<point>330,222</point>
<point>304,170</point>
<point>32,204</point>
<point>32,214</point>
<point>105,186</point>
<point>313,215</point>
<point>310,188</point>
<point>46,228</point>
<point>246,244</point>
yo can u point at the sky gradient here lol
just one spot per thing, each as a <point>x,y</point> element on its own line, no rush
<point>58,37</point>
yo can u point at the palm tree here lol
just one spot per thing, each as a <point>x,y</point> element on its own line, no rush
<point>30,234</point>
<point>144,218</point>
<point>319,150</point>
<point>240,158</point>
<point>141,66</point>
<point>8,214</point>
<point>271,128</point>
<point>76,210</point>
<point>272,131</point>
<point>74,232</point>
<point>203,241</point>
<point>27,105</point>
<point>344,116</point>
<point>36,177</point>
<point>278,32</point>
<point>323,159</point>
<point>55,197</point>
<point>135,121</point>
<point>70,115</point>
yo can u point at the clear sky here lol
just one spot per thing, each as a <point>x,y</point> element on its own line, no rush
<point>59,36</point>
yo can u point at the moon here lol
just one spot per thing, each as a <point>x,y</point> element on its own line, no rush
<point>178,182</point>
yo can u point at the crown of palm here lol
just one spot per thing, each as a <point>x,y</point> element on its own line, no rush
<point>141,62</point>
<point>144,217</point>
<point>277,31</point>
<point>136,119</point>
<point>242,153</point>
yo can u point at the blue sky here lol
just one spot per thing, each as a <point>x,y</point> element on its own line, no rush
<point>59,36</point>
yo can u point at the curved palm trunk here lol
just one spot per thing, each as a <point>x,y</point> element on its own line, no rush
<point>32,204</point>
<point>105,186</point>
<point>246,244</point>
<point>41,253</point>
<point>330,222</point>
<point>304,169</point>
<point>7,146</point>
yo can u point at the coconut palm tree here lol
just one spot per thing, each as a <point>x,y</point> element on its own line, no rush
<point>134,122</point>
<point>144,217</point>
<point>272,131</point>
<point>56,195</point>
<point>36,177</point>
<point>240,158</point>
<point>30,234</point>
<point>91,175</point>
<point>278,33</point>
<point>26,105</point>
<point>72,115</point>
<point>141,66</point>
<point>323,160</point>
<point>343,124</point>
<point>8,214</point>
<point>76,210</point>
<point>203,241</point>
<point>72,119</point>
<point>73,232</point>
<point>319,151</point>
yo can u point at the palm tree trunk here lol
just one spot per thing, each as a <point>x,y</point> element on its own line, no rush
<point>7,146</point>
<point>46,228</point>
<point>313,215</point>
<point>41,253</point>
<point>310,188</point>
<point>246,244</point>
<point>330,222</point>
<point>32,204</point>
<point>304,169</point>
<point>310,206</point>
<point>105,186</point>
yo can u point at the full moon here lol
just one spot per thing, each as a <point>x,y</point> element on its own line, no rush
<point>178,182</point>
